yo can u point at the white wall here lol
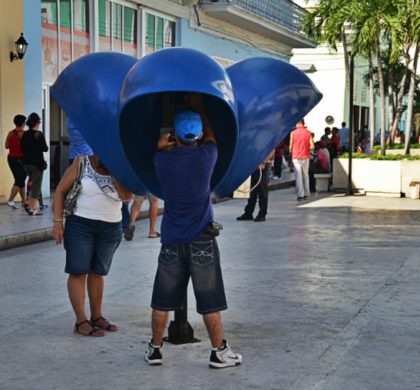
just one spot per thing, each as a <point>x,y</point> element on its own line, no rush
<point>329,78</point>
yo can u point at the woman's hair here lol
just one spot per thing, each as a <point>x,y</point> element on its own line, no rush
<point>33,120</point>
<point>19,120</point>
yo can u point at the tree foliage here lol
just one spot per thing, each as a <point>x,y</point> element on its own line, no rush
<point>387,30</point>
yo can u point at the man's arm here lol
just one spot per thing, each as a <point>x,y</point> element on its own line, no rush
<point>311,143</point>
<point>196,103</point>
<point>291,143</point>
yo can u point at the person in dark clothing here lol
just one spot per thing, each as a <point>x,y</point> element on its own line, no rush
<point>14,159</point>
<point>33,148</point>
<point>259,179</point>
<point>189,248</point>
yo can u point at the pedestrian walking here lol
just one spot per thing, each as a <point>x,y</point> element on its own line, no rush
<point>15,160</point>
<point>189,248</point>
<point>91,235</point>
<point>135,211</point>
<point>259,185</point>
<point>33,148</point>
<point>301,144</point>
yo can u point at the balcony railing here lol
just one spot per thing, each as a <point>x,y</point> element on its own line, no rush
<point>284,13</point>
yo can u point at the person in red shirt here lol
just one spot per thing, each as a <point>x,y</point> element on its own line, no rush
<point>301,144</point>
<point>14,159</point>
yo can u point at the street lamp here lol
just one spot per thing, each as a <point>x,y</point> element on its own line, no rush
<point>351,132</point>
<point>21,45</point>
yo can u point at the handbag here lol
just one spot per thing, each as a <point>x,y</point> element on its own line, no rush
<point>70,201</point>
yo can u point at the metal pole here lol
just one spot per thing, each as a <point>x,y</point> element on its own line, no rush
<point>180,331</point>
<point>351,125</point>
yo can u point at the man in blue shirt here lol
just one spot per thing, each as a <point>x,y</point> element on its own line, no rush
<point>344,137</point>
<point>189,248</point>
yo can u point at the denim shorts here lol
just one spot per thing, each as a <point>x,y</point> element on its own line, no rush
<point>199,260</point>
<point>90,245</point>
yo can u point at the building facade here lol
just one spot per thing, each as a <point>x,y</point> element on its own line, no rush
<point>61,31</point>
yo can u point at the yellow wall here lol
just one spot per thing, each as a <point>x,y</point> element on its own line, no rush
<point>11,83</point>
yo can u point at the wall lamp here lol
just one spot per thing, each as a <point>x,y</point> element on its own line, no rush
<point>21,46</point>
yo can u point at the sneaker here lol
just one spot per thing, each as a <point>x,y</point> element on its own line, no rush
<point>12,204</point>
<point>259,218</point>
<point>299,198</point>
<point>129,232</point>
<point>224,357</point>
<point>43,207</point>
<point>245,217</point>
<point>153,355</point>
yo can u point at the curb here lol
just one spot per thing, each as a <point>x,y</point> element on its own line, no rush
<point>35,236</point>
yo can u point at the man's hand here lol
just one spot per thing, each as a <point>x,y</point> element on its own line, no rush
<point>165,143</point>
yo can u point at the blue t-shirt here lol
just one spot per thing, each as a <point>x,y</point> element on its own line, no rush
<point>184,174</point>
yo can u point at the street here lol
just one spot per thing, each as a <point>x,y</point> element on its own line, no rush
<point>323,295</point>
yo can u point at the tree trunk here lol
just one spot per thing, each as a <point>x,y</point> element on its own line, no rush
<point>381,94</point>
<point>371,101</point>
<point>399,108</point>
<point>410,103</point>
<point>391,101</point>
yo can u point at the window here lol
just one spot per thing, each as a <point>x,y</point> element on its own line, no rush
<point>130,31</point>
<point>119,22</point>
<point>65,34</point>
<point>104,25</point>
<point>160,33</point>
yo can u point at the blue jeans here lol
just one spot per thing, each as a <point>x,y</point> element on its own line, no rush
<point>199,260</point>
<point>90,245</point>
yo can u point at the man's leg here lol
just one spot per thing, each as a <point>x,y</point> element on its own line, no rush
<point>134,213</point>
<point>221,355</point>
<point>159,321</point>
<point>153,213</point>
<point>305,177</point>
<point>263,195</point>
<point>213,322</point>
<point>252,200</point>
<point>298,175</point>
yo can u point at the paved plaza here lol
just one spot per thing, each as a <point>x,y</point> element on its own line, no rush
<point>323,295</point>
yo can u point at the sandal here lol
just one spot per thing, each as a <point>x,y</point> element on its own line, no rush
<point>108,326</point>
<point>95,332</point>
<point>156,235</point>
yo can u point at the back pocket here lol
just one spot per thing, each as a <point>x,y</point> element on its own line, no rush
<point>202,253</point>
<point>168,255</point>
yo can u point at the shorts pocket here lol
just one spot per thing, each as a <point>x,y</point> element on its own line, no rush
<point>168,255</point>
<point>202,253</point>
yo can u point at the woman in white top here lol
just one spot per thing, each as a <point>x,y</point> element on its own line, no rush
<point>91,236</point>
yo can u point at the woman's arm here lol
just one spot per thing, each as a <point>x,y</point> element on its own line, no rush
<point>123,193</point>
<point>66,182</point>
<point>7,144</point>
<point>42,143</point>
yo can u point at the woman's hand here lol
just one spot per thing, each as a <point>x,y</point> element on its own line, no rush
<point>58,232</point>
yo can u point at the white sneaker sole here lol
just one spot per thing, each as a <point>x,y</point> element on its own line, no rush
<point>156,362</point>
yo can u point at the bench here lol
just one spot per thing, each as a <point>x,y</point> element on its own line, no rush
<point>322,181</point>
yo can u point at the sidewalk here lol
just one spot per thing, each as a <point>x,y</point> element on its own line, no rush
<point>322,296</point>
<point>17,228</point>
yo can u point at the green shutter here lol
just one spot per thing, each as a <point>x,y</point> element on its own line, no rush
<point>65,13</point>
<point>129,24</point>
<point>159,34</point>
<point>151,31</point>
